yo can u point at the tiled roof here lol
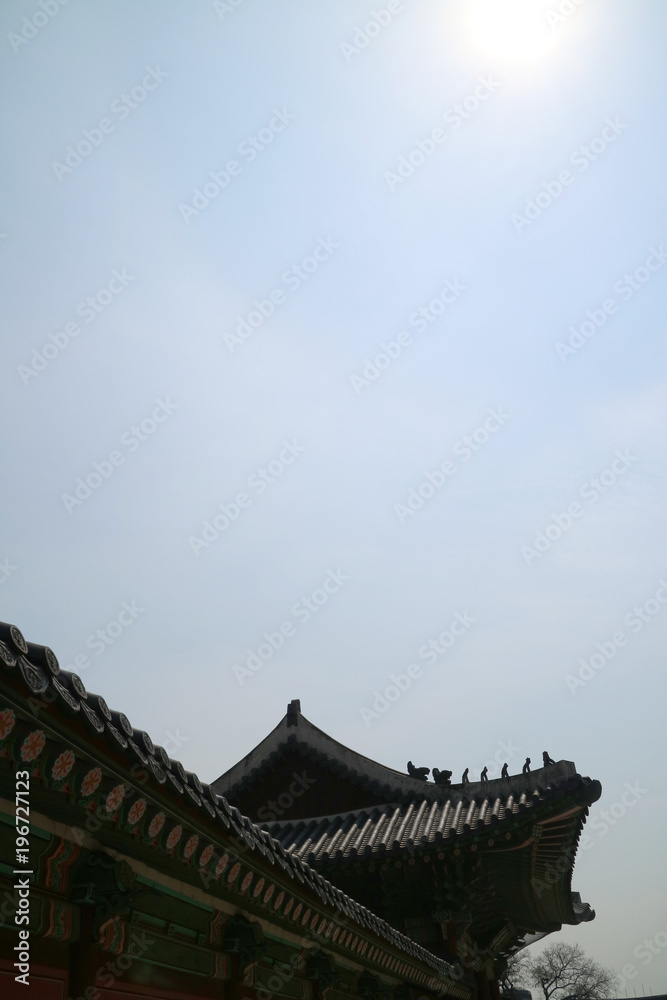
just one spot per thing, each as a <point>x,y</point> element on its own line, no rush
<point>32,671</point>
<point>386,785</point>
<point>391,829</point>
<point>295,731</point>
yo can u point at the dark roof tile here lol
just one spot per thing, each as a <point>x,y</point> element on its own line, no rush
<point>378,831</point>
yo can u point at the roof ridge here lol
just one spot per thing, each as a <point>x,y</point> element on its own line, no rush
<point>295,730</point>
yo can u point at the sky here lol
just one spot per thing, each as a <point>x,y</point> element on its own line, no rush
<point>328,327</point>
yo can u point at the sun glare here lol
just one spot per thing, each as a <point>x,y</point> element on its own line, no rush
<point>510,29</point>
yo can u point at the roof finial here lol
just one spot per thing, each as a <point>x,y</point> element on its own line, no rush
<point>293,712</point>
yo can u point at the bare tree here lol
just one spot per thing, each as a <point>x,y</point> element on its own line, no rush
<point>564,972</point>
<point>515,974</point>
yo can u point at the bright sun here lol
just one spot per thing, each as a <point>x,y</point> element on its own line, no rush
<point>510,29</point>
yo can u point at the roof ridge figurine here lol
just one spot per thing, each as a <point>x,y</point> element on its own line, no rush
<point>443,778</point>
<point>420,773</point>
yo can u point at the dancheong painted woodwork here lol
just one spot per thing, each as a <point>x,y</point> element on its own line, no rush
<point>305,872</point>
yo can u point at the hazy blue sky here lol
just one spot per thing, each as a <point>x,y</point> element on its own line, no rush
<point>480,190</point>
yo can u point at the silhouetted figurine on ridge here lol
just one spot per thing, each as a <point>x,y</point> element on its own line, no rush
<point>420,773</point>
<point>484,776</point>
<point>526,766</point>
<point>504,773</point>
<point>465,780</point>
<point>442,777</point>
<point>547,759</point>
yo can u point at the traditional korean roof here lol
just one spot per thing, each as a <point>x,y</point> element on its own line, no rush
<point>112,768</point>
<point>524,841</point>
<point>522,830</point>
